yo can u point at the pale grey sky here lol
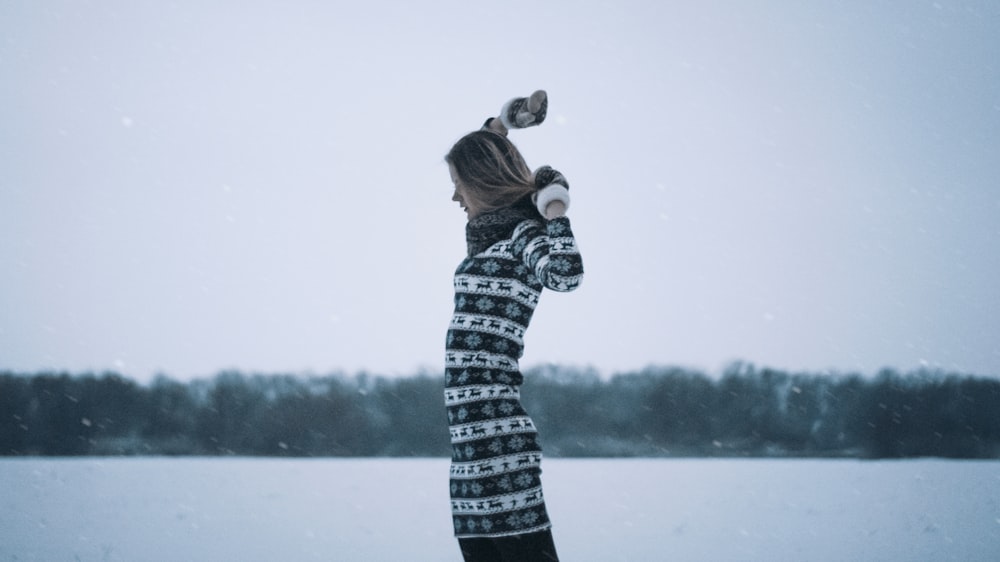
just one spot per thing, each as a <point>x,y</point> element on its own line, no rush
<point>186,188</point>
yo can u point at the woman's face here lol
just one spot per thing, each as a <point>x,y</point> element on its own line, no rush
<point>465,200</point>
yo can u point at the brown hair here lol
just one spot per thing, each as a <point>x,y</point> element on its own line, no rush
<point>491,169</point>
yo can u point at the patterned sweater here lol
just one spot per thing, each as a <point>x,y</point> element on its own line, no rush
<point>495,469</point>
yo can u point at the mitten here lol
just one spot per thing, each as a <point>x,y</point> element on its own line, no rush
<point>552,186</point>
<point>547,175</point>
<point>519,113</point>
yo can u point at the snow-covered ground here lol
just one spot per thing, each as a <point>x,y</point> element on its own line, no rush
<point>135,509</point>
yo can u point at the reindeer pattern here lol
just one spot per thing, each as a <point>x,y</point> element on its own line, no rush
<point>495,477</point>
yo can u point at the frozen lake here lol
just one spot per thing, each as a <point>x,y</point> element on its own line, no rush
<point>211,509</point>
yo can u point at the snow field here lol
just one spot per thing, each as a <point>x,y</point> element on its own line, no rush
<point>215,509</point>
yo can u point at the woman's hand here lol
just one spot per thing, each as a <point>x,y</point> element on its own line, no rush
<point>552,197</point>
<point>496,125</point>
<point>554,210</point>
<point>552,201</point>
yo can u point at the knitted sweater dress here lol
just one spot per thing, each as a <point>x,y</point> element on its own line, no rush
<point>495,469</point>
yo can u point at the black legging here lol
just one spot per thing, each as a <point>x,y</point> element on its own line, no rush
<point>530,547</point>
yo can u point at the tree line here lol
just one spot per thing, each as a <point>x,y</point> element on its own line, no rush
<point>658,411</point>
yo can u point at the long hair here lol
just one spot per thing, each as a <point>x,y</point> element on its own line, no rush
<point>491,169</point>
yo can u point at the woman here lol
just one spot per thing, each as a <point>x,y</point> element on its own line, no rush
<point>519,242</point>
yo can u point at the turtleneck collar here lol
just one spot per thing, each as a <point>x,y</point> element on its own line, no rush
<point>486,229</point>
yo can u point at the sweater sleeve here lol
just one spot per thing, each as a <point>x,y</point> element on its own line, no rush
<point>550,252</point>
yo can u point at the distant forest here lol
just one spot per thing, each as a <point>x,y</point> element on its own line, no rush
<point>659,412</point>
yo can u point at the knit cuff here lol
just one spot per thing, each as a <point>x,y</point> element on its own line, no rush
<point>546,195</point>
<point>505,119</point>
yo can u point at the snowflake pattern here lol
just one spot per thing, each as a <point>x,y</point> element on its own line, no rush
<point>561,265</point>
<point>518,246</point>
<point>512,310</point>
<point>523,480</point>
<point>495,471</point>
<point>490,267</point>
<point>496,447</point>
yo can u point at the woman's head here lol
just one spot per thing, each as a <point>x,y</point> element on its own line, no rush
<point>488,171</point>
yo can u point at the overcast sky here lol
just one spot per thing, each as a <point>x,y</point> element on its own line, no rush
<point>186,188</point>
